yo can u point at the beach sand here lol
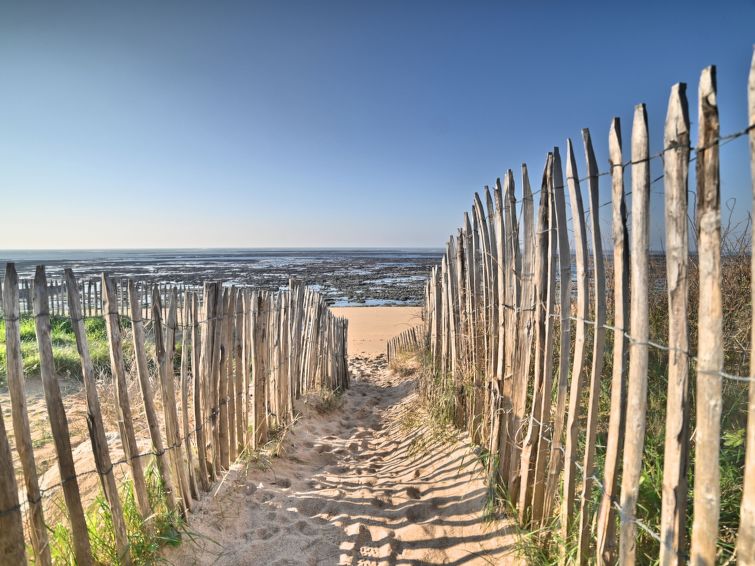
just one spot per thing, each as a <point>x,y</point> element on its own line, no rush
<point>371,327</point>
<point>362,480</point>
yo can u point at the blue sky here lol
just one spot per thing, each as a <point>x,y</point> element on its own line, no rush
<point>354,123</point>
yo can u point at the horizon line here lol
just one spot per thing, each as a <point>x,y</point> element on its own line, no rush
<point>281,248</point>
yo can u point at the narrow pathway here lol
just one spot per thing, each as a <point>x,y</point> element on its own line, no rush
<point>364,482</point>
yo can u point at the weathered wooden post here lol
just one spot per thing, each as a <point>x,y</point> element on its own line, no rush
<point>20,417</point>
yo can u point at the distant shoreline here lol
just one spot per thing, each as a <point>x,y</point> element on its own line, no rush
<point>346,277</point>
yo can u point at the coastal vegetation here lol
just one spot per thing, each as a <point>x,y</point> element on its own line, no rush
<point>66,357</point>
<point>544,545</point>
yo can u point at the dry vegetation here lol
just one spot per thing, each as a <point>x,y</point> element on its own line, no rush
<point>543,547</point>
<point>145,537</point>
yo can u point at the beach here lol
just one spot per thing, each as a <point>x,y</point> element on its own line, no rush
<point>371,327</point>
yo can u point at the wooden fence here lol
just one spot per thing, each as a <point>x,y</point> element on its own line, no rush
<point>245,356</point>
<point>92,301</point>
<point>509,336</point>
<point>410,340</point>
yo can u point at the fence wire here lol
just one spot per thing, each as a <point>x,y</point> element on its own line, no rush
<point>486,313</point>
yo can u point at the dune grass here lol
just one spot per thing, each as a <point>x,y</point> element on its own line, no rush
<point>65,354</point>
<point>146,536</point>
<point>544,546</point>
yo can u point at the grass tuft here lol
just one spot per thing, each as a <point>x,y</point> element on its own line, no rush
<point>146,536</point>
<point>64,351</point>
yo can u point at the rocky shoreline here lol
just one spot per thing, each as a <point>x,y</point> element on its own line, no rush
<point>353,277</point>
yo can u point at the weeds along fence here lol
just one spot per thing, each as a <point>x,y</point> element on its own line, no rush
<point>611,393</point>
<point>209,388</point>
<point>410,340</point>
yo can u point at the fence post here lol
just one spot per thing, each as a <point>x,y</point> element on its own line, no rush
<point>502,380</point>
<point>142,372</point>
<point>489,429</point>
<point>460,305</point>
<point>11,528</point>
<point>198,376</point>
<point>97,436</point>
<point>20,416</point>
<point>540,287</point>
<point>524,329</point>
<point>222,405</point>
<point>509,314</point>
<point>599,302</point>
<point>564,262</point>
<point>492,328</point>
<point>286,408</point>
<point>238,373</point>
<point>215,377</point>
<point>59,422</point>
<point>230,373</point>
<point>260,341</point>
<point>606,548</point>
<point>638,348</point>
<point>581,314</point>
<point>544,408</point>
<point>125,421</point>
<point>201,387</point>
<point>675,458</point>
<point>187,316</point>
<point>746,534</point>
<point>247,357</point>
<point>165,349</point>
<point>709,334</point>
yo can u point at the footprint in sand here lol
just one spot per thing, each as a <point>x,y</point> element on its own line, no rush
<point>436,502</point>
<point>417,512</point>
<point>381,502</point>
<point>413,493</point>
<point>327,459</point>
<point>310,506</point>
<point>348,489</point>
<point>266,533</point>
<point>305,528</point>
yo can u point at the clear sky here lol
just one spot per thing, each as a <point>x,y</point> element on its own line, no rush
<point>330,123</point>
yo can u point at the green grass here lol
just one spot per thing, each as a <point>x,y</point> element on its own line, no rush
<point>146,537</point>
<point>65,354</point>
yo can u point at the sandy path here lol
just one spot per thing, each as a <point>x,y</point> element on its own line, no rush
<point>365,483</point>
